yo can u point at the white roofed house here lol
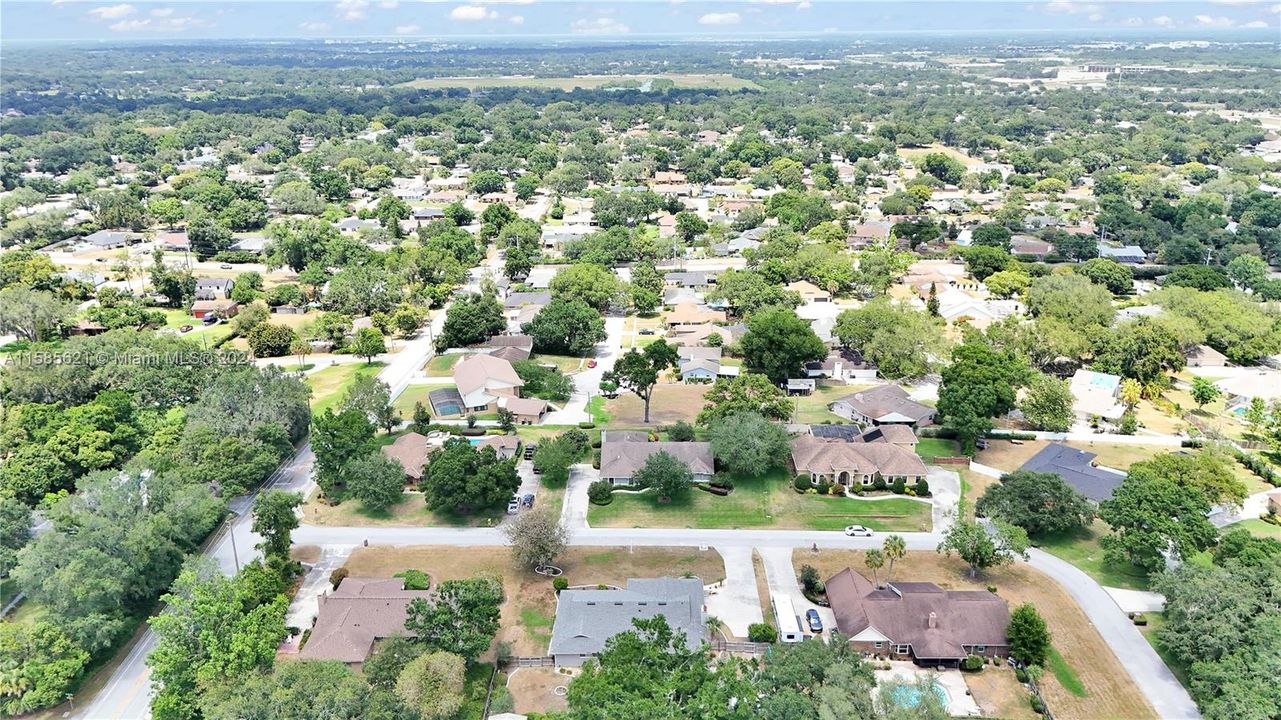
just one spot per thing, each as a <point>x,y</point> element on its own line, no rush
<point>1096,394</point>
<point>483,380</point>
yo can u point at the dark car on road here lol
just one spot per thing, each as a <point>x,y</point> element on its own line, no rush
<point>814,621</point>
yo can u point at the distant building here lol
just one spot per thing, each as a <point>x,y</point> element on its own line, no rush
<point>1096,394</point>
<point>622,454</point>
<point>1126,254</point>
<point>586,619</point>
<point>108,239</point>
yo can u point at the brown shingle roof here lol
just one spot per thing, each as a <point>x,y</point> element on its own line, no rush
<point>622,458</point>
<point>884,400</point>
<point>828,456</point>
<point>360,611</point>
<point>937,623</point>
<point>411,451</point>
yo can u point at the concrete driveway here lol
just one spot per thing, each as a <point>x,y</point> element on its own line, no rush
<point>780,575</point>
<point>587,380</point>
<point>734,601</point>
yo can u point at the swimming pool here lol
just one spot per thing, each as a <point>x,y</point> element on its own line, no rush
<point>909,696</point>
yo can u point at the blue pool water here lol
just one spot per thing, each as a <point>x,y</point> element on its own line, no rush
<point>909,696</point>
<point>475,441</point>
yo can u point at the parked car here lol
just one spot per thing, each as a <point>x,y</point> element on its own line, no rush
<point>857,531</point>
<point>513,506</point>
<point>814,621</point>
<point>528,500</point>
<point>185,328</point>
<point>225,266</point>
<point>591,363</point>
<point>647,331</point>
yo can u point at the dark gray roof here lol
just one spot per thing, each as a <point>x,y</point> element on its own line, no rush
<point>1074,467</point>
<point>585,619</point>
<point>518,299</point>
<point>838,432</point>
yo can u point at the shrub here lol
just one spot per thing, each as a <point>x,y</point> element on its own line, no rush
<point>724,482</point>
<point>900,486</point>
<point>809,579</point>
<point>991,589</point>
<point>1037,705</point>
<point>879,484</point>
<point>587,425</point>
<point>680,432</point>
<point>762,633</point>
<point>972,663</point>
<point>559,583</point>
<point>415,579</point>
<point>1140,620</point>
<point>922,488</point>
<point>336,577</point>
<point>823,487</point>
<point>1129,424</point>
<point>1020,674</point>
<point>802,483</point>
<point>601,492</point>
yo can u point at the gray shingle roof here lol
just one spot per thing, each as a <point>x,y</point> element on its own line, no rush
<point>585,619</point>
<point>1074,467</point>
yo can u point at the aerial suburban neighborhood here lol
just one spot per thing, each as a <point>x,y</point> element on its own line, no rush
<point>640,360</point>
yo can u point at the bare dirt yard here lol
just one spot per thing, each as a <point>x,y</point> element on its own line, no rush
<point>530,606</point>
<point>1108,690</point>
<point>670,403</point>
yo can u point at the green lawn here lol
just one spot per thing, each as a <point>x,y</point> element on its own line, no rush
<point>596,408</point>
<point>1064,673</point>
<point>404,402</point>
<point>565,363</point>
<point>442,365</point>
<point>812,408</point>
<point>1083,550</point>
<point>329,385</point>
<point>930,448</point>
<point>762,502</point>
<point>1257,528</point>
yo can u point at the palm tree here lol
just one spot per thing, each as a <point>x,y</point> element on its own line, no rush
<point>895,549</point>
<point>875,560</point>
<point>714,625</point>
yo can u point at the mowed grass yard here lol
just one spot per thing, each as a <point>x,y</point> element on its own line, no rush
<point>1109,692</point>
<point>761,502</point>
<point>670,402</point>
<point>588,82</point>
<point>529,608</point>
<point>812,408</point>
<point>1083,549</point>
<point>330,384</point>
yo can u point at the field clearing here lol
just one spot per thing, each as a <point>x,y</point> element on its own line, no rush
<point>762,502</point>
<point>671,402</point>
<point>916,154</point>
<point>530,602</point>
<point>587,82</point>
<point>330,384</point>
<point>1083,549</point>
<point>1000,694</point>
<point>410,511</point>
<point>1109,691</point>
<point>812,408</point>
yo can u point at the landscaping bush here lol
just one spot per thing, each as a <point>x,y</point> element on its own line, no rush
<point>559,583</point>
<point>823,487</point>
<point>1129,424</point>
<point>415,579</point>
<point>587,425</point>
<point>681,431</point>
<point>810,581</point>
<point>762,633</point>
<point>922,488</point>
<point>991,589</point>
<point>1139,619</point>
<point>1037,705</point>
<point>336,577</point>
<point>1021,675</point>
<point>601,492</point>
<point>900,486</point>
<point>879,484</point>
<point>722,481</point>
<point>973,663</point>
<point>473,431</point>
<point>720,491</point>
<point>802,483</point>
<point>1257,465</point>
<point>1192,442</point>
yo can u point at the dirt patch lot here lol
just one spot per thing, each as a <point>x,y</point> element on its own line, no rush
<point>671,402</point>
<point>530,606</point>
<point>1109,691</point>
<point>533,689</point>
<point>411,511</point>
<point>1000,694</point>
<point>1008,456</point>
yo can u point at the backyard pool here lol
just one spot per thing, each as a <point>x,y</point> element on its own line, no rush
<point>909,696</point>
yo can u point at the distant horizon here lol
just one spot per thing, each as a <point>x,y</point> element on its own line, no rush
<point>99,21</point>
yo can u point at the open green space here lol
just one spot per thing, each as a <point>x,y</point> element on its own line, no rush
<point>442,365</point>
<point>812,408</point>
<point>930,448</point>
<point>1082,549</point>
<point>707,81</point>
<point>1258,528</point>
<point>329,385</point>
<point>769,502</point>
<point>404,402</point>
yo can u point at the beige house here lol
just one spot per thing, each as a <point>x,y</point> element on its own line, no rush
<point>483,379</point>
<point>854,464</point>
<point>691,314</point>
<point>411,451</point>
<point>809,292</point>
<point>353,617</point>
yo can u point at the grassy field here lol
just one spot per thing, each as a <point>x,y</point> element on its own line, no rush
<point>930,448</point>
<point>1083,550</point>
<point>587,82</point>
<point>411,511</point>
<point>442,365</point>
<point>1109,691</point>
<point>1000,694</point>
<point>812,408</point>
<point>530,601</point>
<point>917,154</point>
<point>761,502</point>
<point>567,364</point>
<point>1066,676</point>
<point>670,402</point>
<point>404,402</point>
<point>1257,528</point>
<point>329,385</point>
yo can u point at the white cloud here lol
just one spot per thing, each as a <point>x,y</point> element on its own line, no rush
<point>1066,7</point>
<point>505,2</point>
<point>472,13</point>
<point>729,18</point>
<point>1132,22</point>
<point>516,19</point>
<point>389,4</point>
<point>351,9</point>
<point>162,12</point>
<point>113,12</point>
<point>1275,9</point>
<point>1218,22</point>
<point>1256,24</point>
<point>1163,21</point>
<point>599,26</point>
<point>313,26</point>
<point>162,24</point>
<point>1234,2</point>
<point>407,29</point>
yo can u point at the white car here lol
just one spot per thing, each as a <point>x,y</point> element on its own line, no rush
<point>858,531</point>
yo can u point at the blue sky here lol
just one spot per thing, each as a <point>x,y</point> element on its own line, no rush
<point>198,19</point>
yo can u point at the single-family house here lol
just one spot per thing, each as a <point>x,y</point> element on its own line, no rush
<point>918,621</point>
<point>1206,356</point>
<point>692,335</point>
<point>177,241</point>
<point>587,618</point>
<point>1243,389</point>
<point>1096,394</point>
<point>622,454</point>
<point>1077,468</point>
<point>483,379</point>
<point>527,411</point>
<point>507,446</point>
<point>854,464</point>
<point>354,225</point>
<point>883,405</point>
<point>254,244</point>
<point>845,365</point>
<point>695,280</point>
<point>411,451</point>
<point>868,233</point>
<point>1126,254</point>
<point>108,239</point>
<point>222,308</point>
<point>735,246</point>
<point>1033,247</point>
<point>691,314</point>
<point>355,615</point>
<point>212,288</point>
<point>799,386</point>
<point>809,292</point>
